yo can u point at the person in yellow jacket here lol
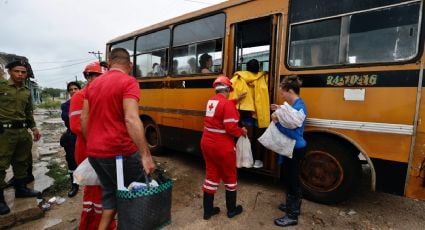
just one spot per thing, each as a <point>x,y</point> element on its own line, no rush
<point>255,108</point>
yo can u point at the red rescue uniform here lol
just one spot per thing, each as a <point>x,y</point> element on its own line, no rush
<point>92,199</point>
<point>218,143</point>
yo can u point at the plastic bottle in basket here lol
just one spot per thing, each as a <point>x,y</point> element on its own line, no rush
<point>137,186</point>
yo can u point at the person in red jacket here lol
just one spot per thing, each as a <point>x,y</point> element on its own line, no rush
<point>218,148</point>
<point>92,199</point>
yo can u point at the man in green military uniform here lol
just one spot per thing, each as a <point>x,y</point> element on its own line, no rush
<point>16,117</point>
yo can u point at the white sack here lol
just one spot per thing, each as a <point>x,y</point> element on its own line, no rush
<point>244,153</point>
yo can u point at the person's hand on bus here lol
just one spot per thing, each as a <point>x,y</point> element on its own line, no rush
<point>274,107</point>
<point>241,96</point>
<point>244,131</point>
<point>148,164</point>
<point>274,118</point>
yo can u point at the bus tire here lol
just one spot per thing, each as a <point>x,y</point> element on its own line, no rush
<point>153,136</point>
<point>330,170</point>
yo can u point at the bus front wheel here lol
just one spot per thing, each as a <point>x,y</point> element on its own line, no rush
<point>153,136</point>
<point>330,170</point>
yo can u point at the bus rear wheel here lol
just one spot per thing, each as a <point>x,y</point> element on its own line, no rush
<point>153,136</point>
<point>330,171</point>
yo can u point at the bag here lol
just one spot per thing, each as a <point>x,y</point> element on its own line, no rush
<point>289,117</point>
<point>244,153</point>
<point>276,141</point>
<point>148,208</point>
<point>85,174</point>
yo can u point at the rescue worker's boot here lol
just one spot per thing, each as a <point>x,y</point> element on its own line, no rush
<point>4,209</point>
<point>232,209</point>
<point>293,207</point>
<point>209,209</point>
<point>21,189</point>
<point>74,187</point>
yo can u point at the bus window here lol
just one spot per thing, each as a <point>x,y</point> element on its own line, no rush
<point>151,56</point>
<point>315,44</point>
<point>128,45</point>
<point>388,34</point>
<point>253,42</point>
<point>385,35</point>
<point>198,45</point>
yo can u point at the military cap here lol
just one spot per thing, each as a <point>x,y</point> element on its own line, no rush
<point>15,63</point>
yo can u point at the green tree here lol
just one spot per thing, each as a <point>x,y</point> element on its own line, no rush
<point>51,92</point>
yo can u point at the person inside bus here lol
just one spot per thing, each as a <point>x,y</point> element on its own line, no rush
<point>175,67</point>
<point>205,63</point>
<point>161,70</point>
<point>192,65</point>
<point>316,55</point>
<point>254,109</point>
<point>289,90</point>
<point>68,139</point>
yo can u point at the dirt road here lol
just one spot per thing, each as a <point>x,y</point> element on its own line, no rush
<point>260,197</point>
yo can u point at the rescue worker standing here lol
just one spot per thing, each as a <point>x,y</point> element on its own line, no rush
<point>218,148</point>
<point>16,116</point>
<point>92,198</point>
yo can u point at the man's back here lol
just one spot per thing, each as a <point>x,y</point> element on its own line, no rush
<point>107,134</point>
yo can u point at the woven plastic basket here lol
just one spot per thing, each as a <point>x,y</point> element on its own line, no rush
<point>148,209</point>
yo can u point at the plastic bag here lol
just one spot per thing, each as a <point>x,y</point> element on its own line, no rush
<point>244,153</point>
<point>85,174</point>
<point>289,117</point>
<point>276,141</point>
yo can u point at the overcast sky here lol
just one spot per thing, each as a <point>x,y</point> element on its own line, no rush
<point>56,35</point>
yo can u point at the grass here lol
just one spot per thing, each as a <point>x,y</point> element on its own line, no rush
<point>48,103</point>
<point>60,176</point>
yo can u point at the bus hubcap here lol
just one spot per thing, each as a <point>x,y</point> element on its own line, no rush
<point>321,172</point>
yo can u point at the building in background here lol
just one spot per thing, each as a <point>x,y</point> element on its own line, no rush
<point>32,85</point>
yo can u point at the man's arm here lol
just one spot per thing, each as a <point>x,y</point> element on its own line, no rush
<point>85,118</point>
<point>29,114</point>
<point>136,131</point>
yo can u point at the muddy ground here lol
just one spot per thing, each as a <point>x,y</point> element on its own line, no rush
<point>259,197</point>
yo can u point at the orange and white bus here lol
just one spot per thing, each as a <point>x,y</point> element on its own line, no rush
<point>361,62</point>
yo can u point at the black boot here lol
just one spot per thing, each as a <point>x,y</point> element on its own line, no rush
<point>289,198</point>
<point>232,209</point>
<point>74,187</point>
<point>10,182</point>
<point>22,191</point>
<point>4,209</point>
<point>292,209</point>
<point>209,209</point>
<point>30,177</point>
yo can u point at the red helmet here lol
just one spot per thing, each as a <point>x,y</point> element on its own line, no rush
<point>223,80</point>
<point>93,67</point>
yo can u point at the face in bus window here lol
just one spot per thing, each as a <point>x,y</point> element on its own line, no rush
<point>315,55</point>
<point>205,63</point>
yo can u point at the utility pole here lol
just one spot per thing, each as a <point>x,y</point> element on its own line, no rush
<point>76,78</point>
<point>97,54</point>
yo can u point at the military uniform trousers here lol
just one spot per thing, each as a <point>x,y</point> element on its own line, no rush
<point>15,149</point>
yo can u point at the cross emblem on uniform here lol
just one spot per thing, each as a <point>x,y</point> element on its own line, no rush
<point>211,106</point>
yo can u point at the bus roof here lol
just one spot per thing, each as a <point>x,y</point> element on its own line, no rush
<point>180,18</point>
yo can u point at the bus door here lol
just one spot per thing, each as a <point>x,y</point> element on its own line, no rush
<point>256,39</point>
